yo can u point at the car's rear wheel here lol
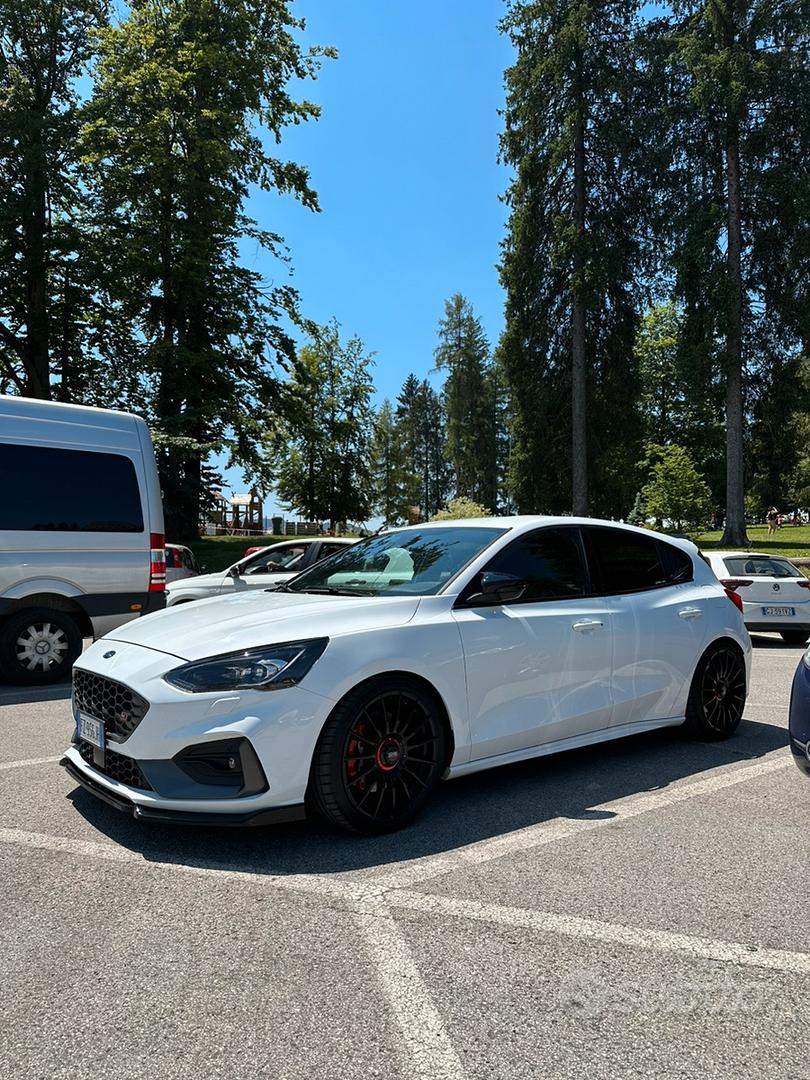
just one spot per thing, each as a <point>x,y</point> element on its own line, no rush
<point>38,646</point>
<point>794,637</point>
<point>717,695</point>
<point>379,757</point>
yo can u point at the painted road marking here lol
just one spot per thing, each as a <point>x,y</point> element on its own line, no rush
<point>547,922</point>
<point>28,761</point>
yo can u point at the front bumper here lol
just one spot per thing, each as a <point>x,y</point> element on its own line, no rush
<point>799,719</point>
<point>268,816</point>
<point>152,768</point>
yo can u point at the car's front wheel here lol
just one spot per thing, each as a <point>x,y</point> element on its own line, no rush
<point>717,695</point>
<point>379,757</point>
<point>795,637</point>
<point>38,646</point>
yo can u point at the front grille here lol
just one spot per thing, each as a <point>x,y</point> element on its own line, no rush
<point>117,766</point>
<point>119,708</point>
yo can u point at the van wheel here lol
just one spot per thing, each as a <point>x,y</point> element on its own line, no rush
<point>38,646</point>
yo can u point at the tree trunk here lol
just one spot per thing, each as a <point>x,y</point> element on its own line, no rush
<point>579,434</point>
<point>35,226</point>
<point>735,533</point>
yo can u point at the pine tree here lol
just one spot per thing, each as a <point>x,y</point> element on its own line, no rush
<point>389,476</point>
<point>570,263</point>
<point>421,424</point>
<point>44,49</point>
<point>185,92</point>
<point>470,404</point>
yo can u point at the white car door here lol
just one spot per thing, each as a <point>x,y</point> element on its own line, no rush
<point>658,620</point>
<point>539,668</point>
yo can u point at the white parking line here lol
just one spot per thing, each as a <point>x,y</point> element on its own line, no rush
<point>546,922</point>
<point>426,1050</point>
<point>28,761</point>
<point>548,832</point>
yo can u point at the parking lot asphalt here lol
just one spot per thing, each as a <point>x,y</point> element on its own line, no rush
<point>636,909</point>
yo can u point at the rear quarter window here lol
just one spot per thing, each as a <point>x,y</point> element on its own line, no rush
<point>623,562</point>
<point>51,489</point>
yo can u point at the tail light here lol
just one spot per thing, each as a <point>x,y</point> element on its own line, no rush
<point>731,585</point>
<point>157,563</point>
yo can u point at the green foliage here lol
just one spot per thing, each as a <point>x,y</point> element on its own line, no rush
<point>45,299</point>
<point>470,403</point>
<point>390,478</point>
<point>321,450</point>
<point>174,136</point>
<point>676,494</point>
<point>574,241</point>
<point>461,507</point>
<point>421,428</point>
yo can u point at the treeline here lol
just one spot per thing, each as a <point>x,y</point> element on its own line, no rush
<point>658,251</point>
<point>127,151</point>
<point>656,263</point>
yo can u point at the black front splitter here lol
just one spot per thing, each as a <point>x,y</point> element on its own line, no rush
<point>274,815</point>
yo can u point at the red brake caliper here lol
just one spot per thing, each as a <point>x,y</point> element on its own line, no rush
<point>355,747</point>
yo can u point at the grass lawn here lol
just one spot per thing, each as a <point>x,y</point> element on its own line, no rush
<point>789,540</point>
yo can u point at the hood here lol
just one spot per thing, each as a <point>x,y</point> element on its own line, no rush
<point>210,581</point>
<point>228,623</point>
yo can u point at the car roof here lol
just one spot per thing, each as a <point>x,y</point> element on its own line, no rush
<point>526,522</point>
<point>747,555</point>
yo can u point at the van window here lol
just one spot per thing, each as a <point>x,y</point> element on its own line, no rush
<point>49,489</point>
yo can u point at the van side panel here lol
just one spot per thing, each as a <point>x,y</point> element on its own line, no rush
<point>104,572</point>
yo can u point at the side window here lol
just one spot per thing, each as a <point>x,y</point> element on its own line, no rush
<point>550,560</point>
<point>330,549</point>
<point>622,561</point>
<point>171,559</point>
<point>283,559</point>
<point>188,559</point>
<point>677,565</point>
<point>50,489</point>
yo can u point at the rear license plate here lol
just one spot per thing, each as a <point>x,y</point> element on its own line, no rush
<point>779,611</point>
<point>90,730</point>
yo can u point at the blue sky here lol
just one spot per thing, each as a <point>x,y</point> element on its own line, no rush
<point>404,160</point>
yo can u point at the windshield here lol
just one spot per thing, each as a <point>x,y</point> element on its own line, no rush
<point>414,562</point>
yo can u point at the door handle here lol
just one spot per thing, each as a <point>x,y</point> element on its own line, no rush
<point>690,613</point>
<point>586,625</point>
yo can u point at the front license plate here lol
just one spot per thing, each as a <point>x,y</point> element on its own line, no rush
<point>779,612</point>
<point>90,730</point>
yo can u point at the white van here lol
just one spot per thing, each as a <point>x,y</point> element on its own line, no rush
<point>81,532</point>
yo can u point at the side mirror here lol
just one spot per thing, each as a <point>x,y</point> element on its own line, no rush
<point>498,588</point>
<point>203,569</point>
<point>235,571</point>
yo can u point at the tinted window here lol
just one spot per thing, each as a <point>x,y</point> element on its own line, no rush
<point>331,549</point>
<point>762,565</point>
<point>623,562</point>
<point>46,489</point>
<point>677,565</point>
<point>550,560</point>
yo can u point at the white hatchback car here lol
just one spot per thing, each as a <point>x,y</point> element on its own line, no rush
<point>775,595</point>
<point>426,652</point>
<point>266,568</point>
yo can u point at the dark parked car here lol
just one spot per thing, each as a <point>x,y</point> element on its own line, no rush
<point>800,714</point>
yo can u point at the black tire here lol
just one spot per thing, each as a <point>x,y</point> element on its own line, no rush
<point>380,755</point>
<point>24,658</point>
<point>717,695</point>
<point>794,637</point>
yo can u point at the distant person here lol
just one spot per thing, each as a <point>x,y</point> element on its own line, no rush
<point>772,517</point>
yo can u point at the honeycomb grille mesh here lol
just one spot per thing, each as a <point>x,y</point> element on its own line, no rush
<point>119,708</point>
<point>117,766</point>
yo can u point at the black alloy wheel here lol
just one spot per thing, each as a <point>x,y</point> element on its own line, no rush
<point>717,696</point>
<point>379,757</point>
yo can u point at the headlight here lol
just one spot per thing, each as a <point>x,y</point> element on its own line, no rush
<point>269,667</point>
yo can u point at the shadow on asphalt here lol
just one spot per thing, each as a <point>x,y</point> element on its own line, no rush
<point>489,804</point>
<point>26,695</point>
